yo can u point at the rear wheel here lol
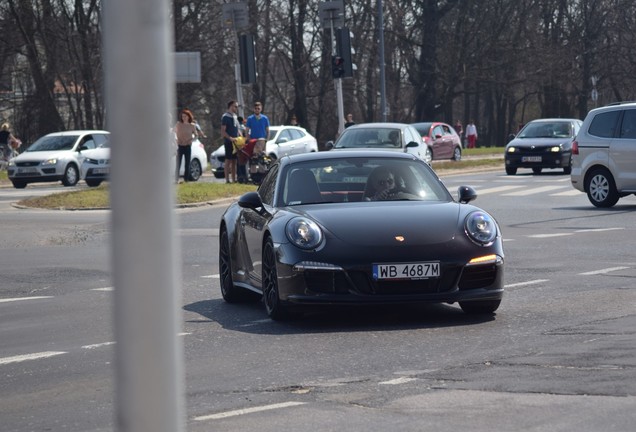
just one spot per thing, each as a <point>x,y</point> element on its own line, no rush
<point>71,175</point>
<point>480,306</point>
<point>230,292</point>
<point>457,154</point>
<point>601,189</point>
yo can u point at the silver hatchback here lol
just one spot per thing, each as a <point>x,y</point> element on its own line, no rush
<point>604,154</point>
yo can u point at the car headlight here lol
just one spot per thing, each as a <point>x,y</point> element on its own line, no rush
<point>50,162</point>
<point>555,149</point>
<point>511,149</point>
<point>304,233</point>
<point>481,228</point>
<point>91,161</point>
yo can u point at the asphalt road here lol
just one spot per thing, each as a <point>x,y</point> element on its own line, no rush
<point>559,355</point>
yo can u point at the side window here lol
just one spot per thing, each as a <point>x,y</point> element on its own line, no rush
<point>100,140</point>
<point>438,131</point>
<point>284,136</point>
<point>604,125</point>
<point>295,134</point>
<point>266,189</point>
<point>628,126</point>
<point>88,143</point>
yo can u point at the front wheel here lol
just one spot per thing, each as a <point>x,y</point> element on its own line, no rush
<point>274,306</point>
<point>567,170</point>
<point>601,189</point>
<point>511,170</point>
<point>195,170</point>
<point>230,292</point>
<point>93,183</point>
<point>537,170</point>
<point>71,175</point>
<point>18,184</point>
<point>480,306</point>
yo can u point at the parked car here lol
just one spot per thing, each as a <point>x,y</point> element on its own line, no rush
<point>96,165</point>
<point>54,157</point>
<point>604,154</point>
<point>542,143</point>
<point>442,140</point>
<point>397,137</point>
<point>283,140</point>
<point>341,228</point>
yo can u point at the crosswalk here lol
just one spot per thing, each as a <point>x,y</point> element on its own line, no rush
<point>520,187</point>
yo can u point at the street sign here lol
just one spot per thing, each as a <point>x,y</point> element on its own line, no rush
<point>331,12</point>
<point>187,67</point>
<point>235,16</point>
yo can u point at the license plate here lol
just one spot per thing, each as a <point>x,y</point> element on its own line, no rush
<point>101,170</point>
<point>531,159</point>
<point>28,170</point>
<point>421,270</point>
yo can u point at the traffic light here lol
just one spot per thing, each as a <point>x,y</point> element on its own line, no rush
<point>337,67</point>
<point>247,59</point>
<point>343,50</point>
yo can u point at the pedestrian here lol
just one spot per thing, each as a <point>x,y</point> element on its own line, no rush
<point>349,121</point>
<point>471,134</point>
<point>7,141</point>
<point>459,129</point>
<point>230,131</point>
<point>185,132</point>
<point>258,128</point>
<point>294,120</point>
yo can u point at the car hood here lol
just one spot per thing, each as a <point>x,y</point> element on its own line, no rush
<point>43,155</point>
<point>99,153</point>
<point>399,149</point>
<point>378,224</point>
<point>538,142</point>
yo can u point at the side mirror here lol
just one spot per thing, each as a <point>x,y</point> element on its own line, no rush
<point>438,136</point>
<point>250,200</point>
<point>282,140</point>
<point>466,194</point>
<point>328,145</point>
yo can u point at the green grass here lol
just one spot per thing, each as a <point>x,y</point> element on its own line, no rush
<point>99,197</point>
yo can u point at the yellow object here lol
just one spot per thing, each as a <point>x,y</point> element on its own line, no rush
<point>239,143</point>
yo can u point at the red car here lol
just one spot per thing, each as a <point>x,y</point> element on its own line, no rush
<point>441,139</point>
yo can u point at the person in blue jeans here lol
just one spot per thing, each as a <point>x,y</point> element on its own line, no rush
<point>258,128</point>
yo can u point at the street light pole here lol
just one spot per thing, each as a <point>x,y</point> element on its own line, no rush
<point>382,77</point>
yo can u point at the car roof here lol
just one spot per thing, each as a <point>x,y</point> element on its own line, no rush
<point>377,125</point>
<point>77,132</point>
<point>552,120</point>
<point>340,154</point>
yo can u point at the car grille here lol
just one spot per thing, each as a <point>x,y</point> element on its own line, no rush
<point>27,164</point>
<point>478,277</point>
<point>359,282</point>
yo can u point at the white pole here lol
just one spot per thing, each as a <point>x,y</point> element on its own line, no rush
<point>139,89</point>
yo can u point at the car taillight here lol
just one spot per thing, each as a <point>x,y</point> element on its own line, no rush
<point>575,147</point>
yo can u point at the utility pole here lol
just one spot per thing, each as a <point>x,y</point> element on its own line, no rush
<point>235,17</point>
<point>332,15</point>
<point>382,77</point>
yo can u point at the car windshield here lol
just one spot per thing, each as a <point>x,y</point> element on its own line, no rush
<point>359,179</point>
<point>272,133</point>
<point>58,142</point>
<point>547,130</point>
<point>423,128</point>
<point>370,137</point>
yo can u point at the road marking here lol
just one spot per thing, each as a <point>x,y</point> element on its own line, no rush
<point>397,381</point>
<point>248,411</point>
<point>599,229</point>
<point>98,345</point>
<point>573,192</point>
<point>532,282</point>
<point>603,271</point>
<point>103,289</point>
<point>213,276</point>
<point>7,300</point>
<point>497,189</point>
<point>550,235</point>
<point>533,191</point>
<point>27,357</point>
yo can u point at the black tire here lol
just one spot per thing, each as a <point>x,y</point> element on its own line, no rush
<point>71,175</point>
<point>457,154</point>
<point>429,153</point>
<point>219,175</point>
<point>195,170</point>
<point>537,170</point>
<point>275,308</point>
<point>18,184</point>
<point>93,183</point>
<point>230,292</point>
<point>511,170</point>
<point>567,170</point>
<point>601,189</point>
<point>480,306</point>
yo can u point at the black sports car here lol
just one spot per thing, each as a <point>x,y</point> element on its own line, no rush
<point>357,227</point>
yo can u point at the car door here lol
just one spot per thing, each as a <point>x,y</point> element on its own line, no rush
<point>623,152</point>
<point>285,143</point>
<point>437,138</point>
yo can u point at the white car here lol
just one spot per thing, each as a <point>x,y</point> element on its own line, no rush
<point>54,157</point>
<point>283,140</point>
<point>96,164</point>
